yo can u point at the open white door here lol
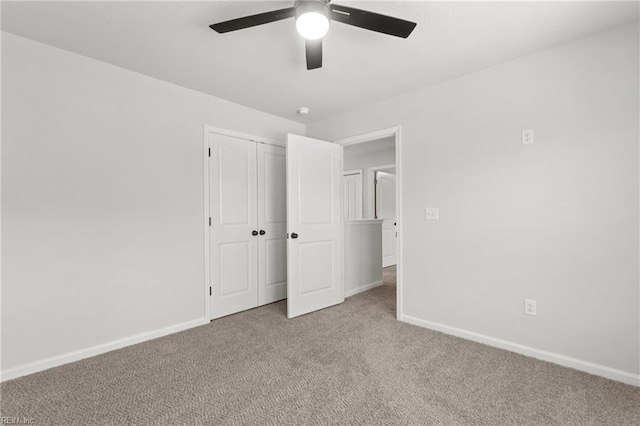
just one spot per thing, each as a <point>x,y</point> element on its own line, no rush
<point>314,225</point>
<point>386,209</point>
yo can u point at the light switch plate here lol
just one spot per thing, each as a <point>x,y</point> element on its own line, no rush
<point>431,213</point>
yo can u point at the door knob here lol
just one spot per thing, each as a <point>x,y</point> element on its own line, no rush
<point>294,235</point>
<point>262,232</point>
<point>254,233</point>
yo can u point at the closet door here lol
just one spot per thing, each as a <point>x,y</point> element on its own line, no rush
<point>272,221</point>
<point>234,263</point>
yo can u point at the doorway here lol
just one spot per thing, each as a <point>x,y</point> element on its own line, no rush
<point>372,161</point>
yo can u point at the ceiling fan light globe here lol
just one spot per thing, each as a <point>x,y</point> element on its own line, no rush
<point>312,25</point>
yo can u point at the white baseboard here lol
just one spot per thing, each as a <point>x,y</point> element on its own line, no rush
<point>56,361</point>
<point>362,288</point>
<point>578,364</point>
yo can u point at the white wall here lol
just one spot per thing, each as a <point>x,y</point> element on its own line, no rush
<point>102,201</point>
<point>362,255</point>
<point>358,157</point>
<point>556,221</point>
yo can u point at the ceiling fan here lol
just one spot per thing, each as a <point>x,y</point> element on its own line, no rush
<point>312,23</point>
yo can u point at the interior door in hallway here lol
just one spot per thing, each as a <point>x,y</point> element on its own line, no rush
<point>314,214</point>
<point>352,194</point>
<point>234,224</point>
<point>386,209</point>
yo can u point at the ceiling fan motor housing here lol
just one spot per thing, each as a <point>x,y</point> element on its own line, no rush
<point>318,6</point>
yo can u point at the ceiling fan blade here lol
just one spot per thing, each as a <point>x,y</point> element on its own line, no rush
<point>372,21</point>
<point>314,53</point>
<point>253,20</point>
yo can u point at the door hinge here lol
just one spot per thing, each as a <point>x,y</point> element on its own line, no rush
<point>209,221</point>
<point>209,290</point>
<point>209,152</point>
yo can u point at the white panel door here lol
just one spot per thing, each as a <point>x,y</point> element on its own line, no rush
<point>388,243</point>
<point>386,209</point>
<point>314,214</point>
<point>272,224</point>
<point>352,195</point>
<point>233,186</point>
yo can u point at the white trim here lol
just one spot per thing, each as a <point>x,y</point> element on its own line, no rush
<point>362,288</point>
<point>566,361</point>
<point>240,135</point>
<point>382,168</point>
<point>56,361</point>
<point>207,215</point>
<point>357,222</point>
<point>379,134</point>
<point>399,221</point>
<point>352,172</point>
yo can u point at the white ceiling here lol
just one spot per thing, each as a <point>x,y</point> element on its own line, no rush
<point>264,67</point>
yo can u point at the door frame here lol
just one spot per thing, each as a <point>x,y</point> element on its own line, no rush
<point>207,130</point>
<point>371,190</point>
<point>368,137</point>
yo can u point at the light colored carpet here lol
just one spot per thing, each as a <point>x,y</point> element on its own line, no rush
<point>350,364</point>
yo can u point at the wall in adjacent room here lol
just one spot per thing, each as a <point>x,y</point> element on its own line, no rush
<point>355,157</point>
<point>556,221</point>
<point>359,157</point>
<point>102,203</point>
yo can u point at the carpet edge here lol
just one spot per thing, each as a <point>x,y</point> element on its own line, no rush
<point>555,358</point>
<point>56,361</point>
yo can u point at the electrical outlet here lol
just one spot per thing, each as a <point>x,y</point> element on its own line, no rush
<point>431,213</point>
<point>530,307</point>
<point>527,137</point>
